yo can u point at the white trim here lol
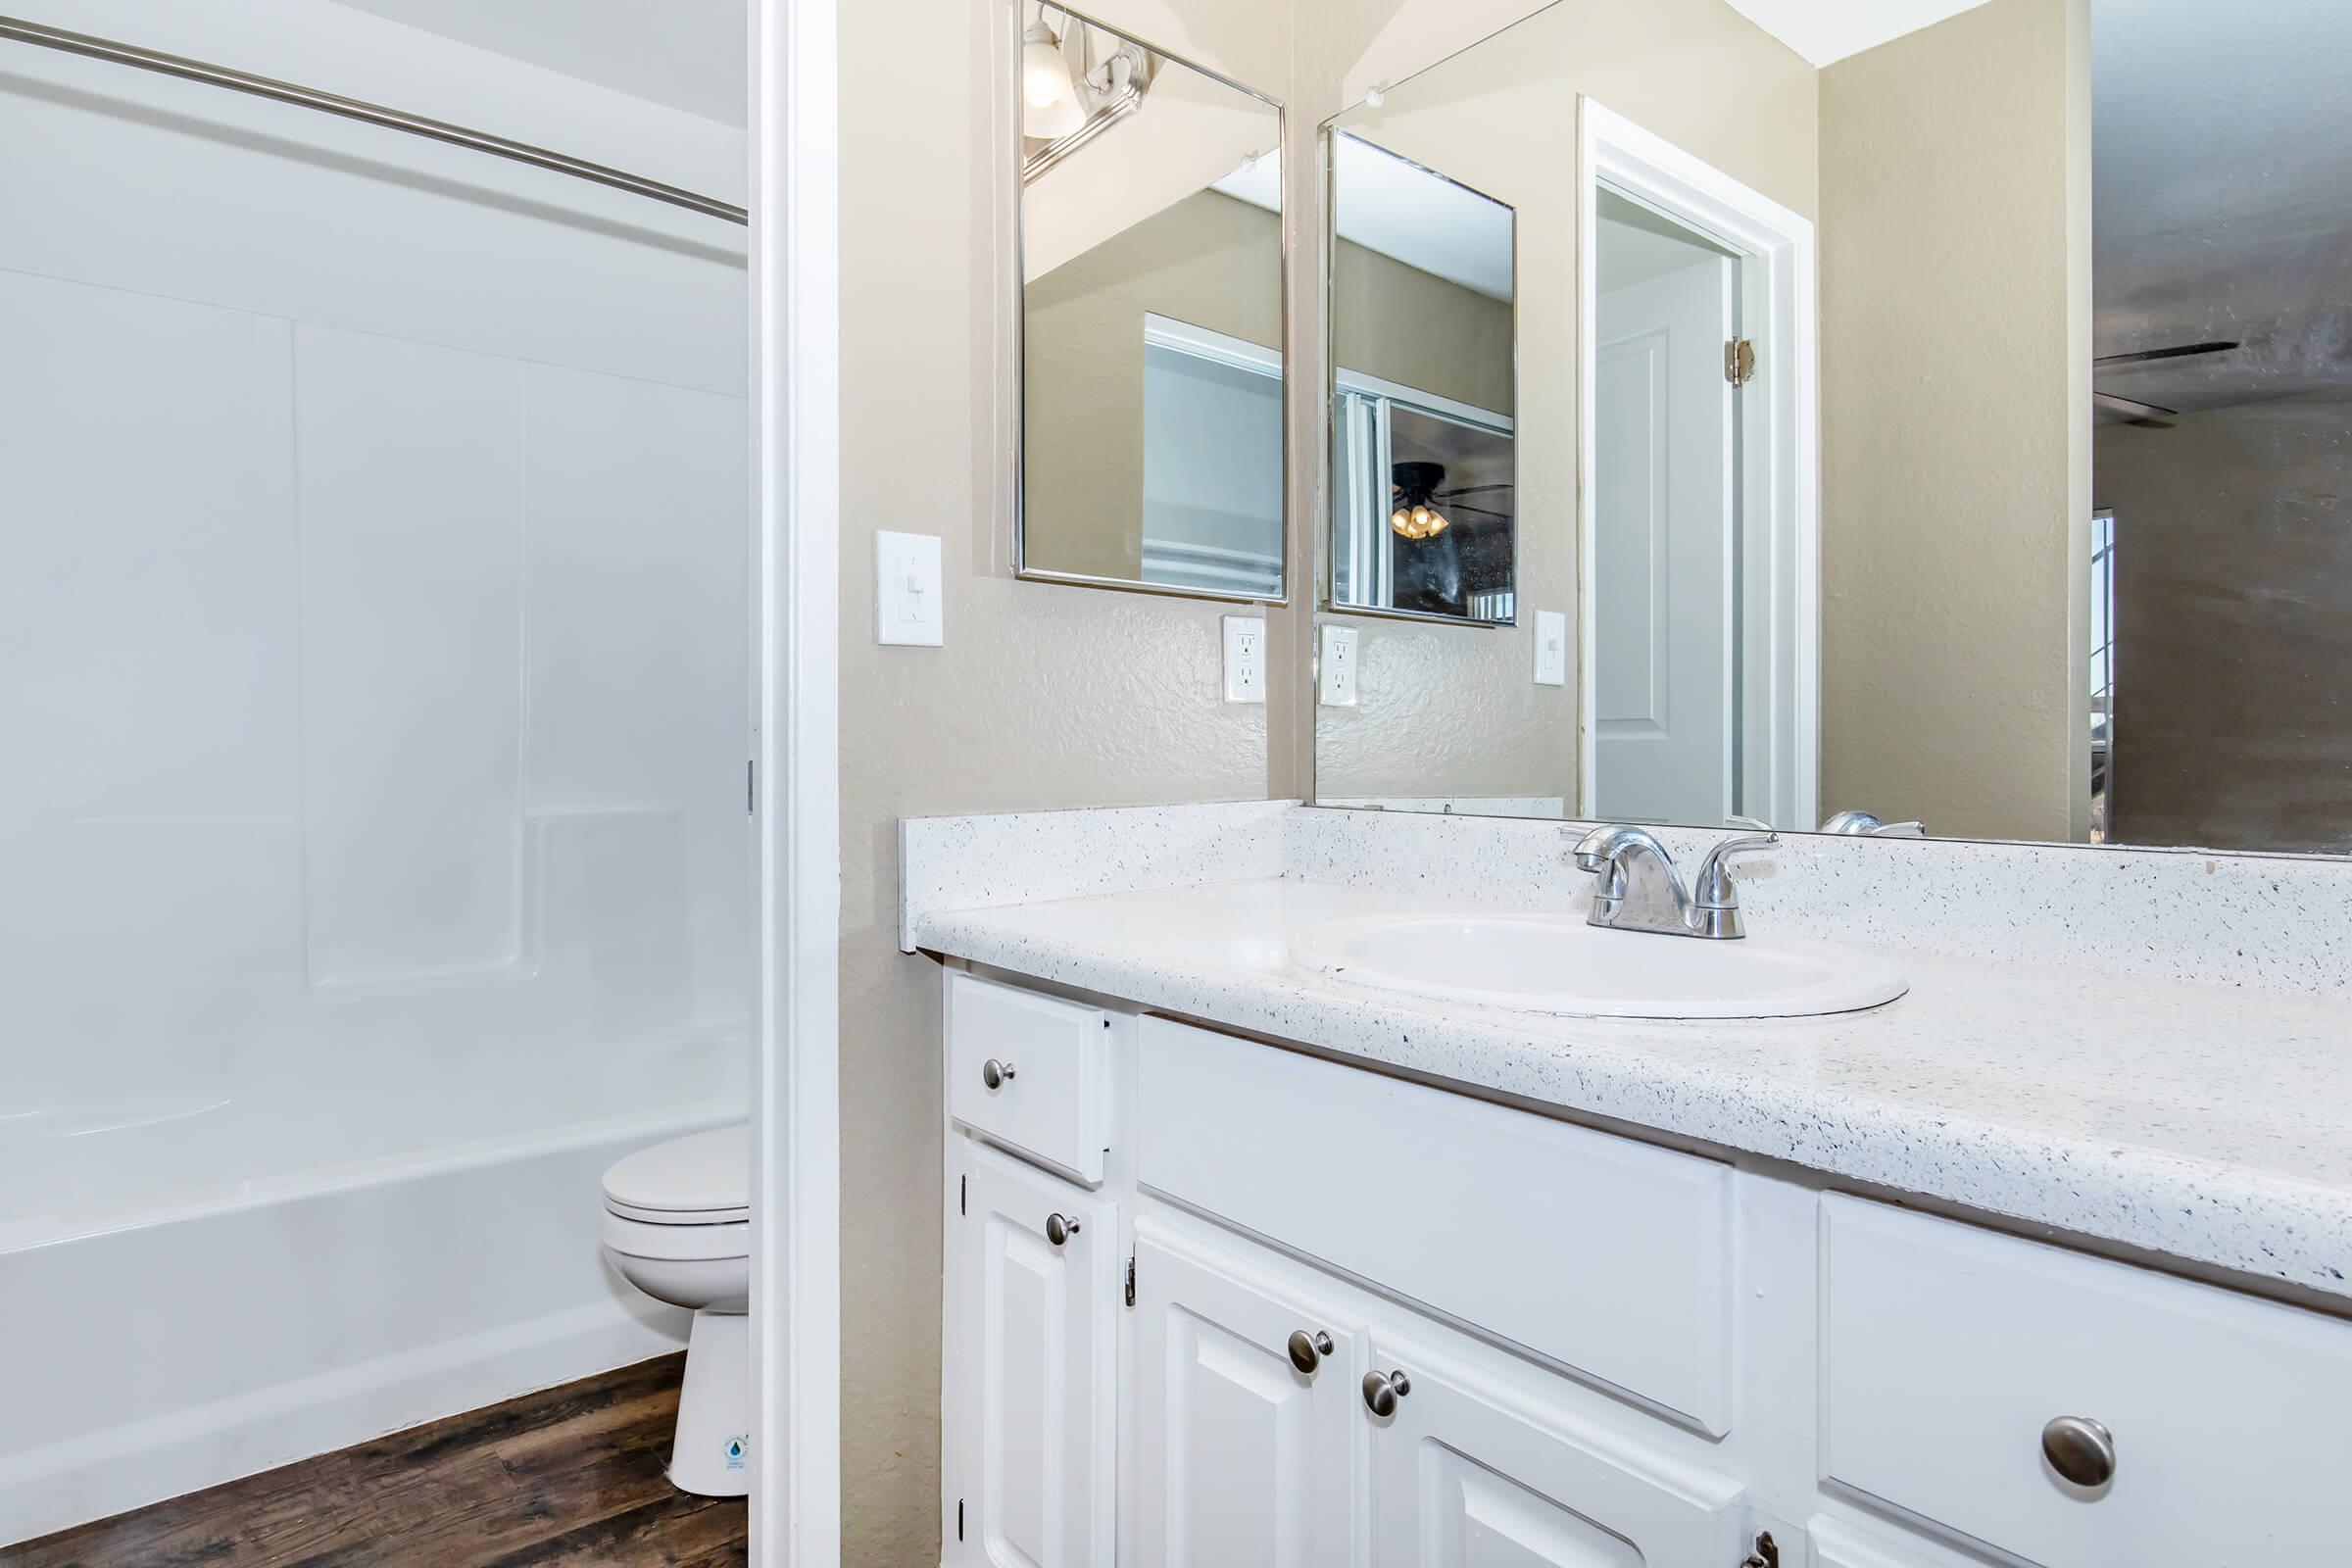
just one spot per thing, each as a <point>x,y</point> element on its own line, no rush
<point>1217,567</point>
<point>1166,332</point>
<point>1781,477</point>
<point>796,1111</point>
<point>1372,386</point>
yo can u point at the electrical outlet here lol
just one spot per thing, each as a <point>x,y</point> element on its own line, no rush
<point>1245,658</point>
<point>1551,648</point>
<point>1335,670</point>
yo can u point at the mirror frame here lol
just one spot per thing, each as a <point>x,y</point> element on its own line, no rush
<point>1327,391</point>
<point>1015,160</point>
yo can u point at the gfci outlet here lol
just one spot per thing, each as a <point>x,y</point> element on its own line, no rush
<point>1335,667</point>
<point>1245,658</point>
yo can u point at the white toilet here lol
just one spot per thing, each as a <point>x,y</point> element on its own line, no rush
<point>677,1225</point>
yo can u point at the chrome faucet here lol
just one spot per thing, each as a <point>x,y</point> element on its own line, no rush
<point>1639,890</point>
<point>1866,824</point>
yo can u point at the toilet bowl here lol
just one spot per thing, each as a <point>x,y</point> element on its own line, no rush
<point>677,1226</point>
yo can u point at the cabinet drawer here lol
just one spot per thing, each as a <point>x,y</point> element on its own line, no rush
<point>1605,1256</point>
<point>1030,1071</point>
<point>1948,1348</point>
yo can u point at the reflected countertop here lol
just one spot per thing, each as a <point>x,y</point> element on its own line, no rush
<point>2205,1123</point>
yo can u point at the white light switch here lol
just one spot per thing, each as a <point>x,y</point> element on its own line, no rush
<point>908,590</point>
<point>1551,648</point>
<point>1334,679</point>
<point>1245,658</point>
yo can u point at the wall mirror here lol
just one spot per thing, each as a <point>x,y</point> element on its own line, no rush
<point>1151,450</point>
<point>1423,462</point>
<point>1851,488</point>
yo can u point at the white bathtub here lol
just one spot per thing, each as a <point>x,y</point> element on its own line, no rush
<point>194,1292</point>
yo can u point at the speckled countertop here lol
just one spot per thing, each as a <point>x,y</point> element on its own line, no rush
<point>2208,1123</point>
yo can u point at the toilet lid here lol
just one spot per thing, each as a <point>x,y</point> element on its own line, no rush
<point>704,1179</point>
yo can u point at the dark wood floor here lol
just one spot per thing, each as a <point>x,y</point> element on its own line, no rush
<point>572,1475</point>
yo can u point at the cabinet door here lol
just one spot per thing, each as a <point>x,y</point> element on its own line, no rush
<point>1030,1397</point>
<point>1235,1455</point>
<point>1476,1468</point>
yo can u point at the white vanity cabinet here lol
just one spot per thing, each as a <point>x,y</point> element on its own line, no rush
<point>1476,1465</point>
<point>1241,1434</point>
<point>1311,1316</point>
<point>1031,1323</point>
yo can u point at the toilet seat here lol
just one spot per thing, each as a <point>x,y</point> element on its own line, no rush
<point>701,1180</point>
<point>677,1216</point>
<point>673,1243</point>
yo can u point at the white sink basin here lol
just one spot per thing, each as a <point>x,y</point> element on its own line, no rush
<point>1557,963</point>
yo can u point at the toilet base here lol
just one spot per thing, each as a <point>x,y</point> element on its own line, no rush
<point>713,1454</point>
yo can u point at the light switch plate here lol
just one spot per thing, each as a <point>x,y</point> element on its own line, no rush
<point>1245,658</point>
<point>1335,669</point>
<point>908,590</point>
<point>1551,648</point>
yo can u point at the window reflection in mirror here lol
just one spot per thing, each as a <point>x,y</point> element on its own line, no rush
<point>1151,379</point>
<point>1423,459</point>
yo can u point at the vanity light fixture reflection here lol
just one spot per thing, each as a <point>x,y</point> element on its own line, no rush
<point>1048,98</point>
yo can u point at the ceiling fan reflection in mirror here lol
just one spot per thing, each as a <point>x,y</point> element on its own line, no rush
<point>2134,411</point>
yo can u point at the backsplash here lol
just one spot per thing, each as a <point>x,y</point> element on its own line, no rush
<point>974,862</point>
<point>2264,922</point>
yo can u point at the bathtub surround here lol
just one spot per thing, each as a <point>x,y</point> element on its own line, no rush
<point>1996,1085</point>
<point>368,883</point>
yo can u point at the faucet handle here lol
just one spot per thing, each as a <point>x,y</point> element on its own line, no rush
<point>1712,889</point>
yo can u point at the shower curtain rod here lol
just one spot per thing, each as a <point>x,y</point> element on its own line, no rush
<point>285,92</point>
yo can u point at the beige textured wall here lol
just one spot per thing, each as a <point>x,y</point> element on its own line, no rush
<point>1955,423</point>
<point>1209,261</point>
<point>2233,616</point>
<point>1043,696</point>
<point>1408,327</point>
<point>1455,710</point>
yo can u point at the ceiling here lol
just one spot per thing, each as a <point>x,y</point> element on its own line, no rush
<point>1396,207</point>
<point>1828,31</point>
<point>683,54</point>
<point>2222,195</point>
<point>1634,244</point>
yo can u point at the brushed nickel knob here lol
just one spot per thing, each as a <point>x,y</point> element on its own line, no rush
<point>1382,1391</point>
<point>1307,1350</point>
<point>996,1075</point>
<point>2079,1450</point>
<point>1059,1228</point>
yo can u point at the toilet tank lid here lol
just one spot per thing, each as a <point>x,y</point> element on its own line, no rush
<point>702,1172</point>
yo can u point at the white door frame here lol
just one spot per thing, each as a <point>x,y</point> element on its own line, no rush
<point>1780,477</point>
<point>795,1102</point>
